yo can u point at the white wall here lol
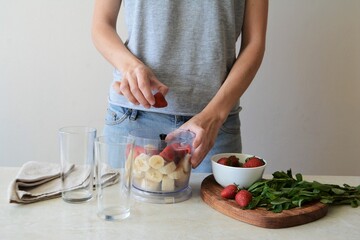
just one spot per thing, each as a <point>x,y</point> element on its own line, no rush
<point>301,112</point>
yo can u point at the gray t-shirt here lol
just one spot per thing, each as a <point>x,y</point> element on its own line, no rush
<point>189,45</point>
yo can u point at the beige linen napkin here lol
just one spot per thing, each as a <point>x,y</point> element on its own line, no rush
<point>37,181</point>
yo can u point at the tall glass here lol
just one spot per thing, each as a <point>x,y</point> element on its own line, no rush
<point>77,163</point>
<point>114,156</point>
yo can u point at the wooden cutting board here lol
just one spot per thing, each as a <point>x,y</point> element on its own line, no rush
<point>210,193</point>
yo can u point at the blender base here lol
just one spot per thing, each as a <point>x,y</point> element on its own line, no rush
<point>162,198</point>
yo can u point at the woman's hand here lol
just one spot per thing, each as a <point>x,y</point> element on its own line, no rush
<point>207,123</point>
<point>206,127</point>
<point>138,80</point>
<point>137,85</point>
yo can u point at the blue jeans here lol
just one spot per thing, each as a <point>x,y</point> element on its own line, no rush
<point>120,121</point>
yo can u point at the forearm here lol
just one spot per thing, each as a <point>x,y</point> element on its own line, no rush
<point>238,80</point>
<point>107,40</point>
<point>248,62</point>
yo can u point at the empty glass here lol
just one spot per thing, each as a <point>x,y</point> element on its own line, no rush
<point>77,163</point>
<point>113,156</point>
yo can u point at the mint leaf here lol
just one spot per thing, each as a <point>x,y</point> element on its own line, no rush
<point>283,192</point>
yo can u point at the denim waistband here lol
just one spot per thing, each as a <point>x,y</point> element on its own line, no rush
<point>133,114</point>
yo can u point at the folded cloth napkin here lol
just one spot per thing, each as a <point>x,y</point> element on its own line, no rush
<point>37,181</point>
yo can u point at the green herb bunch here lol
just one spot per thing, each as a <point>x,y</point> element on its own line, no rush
<point>284,192</point>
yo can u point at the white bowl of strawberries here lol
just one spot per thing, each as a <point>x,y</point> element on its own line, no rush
<point>237,168</point>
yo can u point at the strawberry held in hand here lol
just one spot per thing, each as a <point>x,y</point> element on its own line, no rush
<point>253,162</point>
<point>160,101</point>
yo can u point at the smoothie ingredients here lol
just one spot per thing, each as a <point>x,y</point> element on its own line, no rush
<point>166,171</point>
<point>229,192</point>
<point>168,153</point>
<point>232,161</point>
<point>253,162</point>
<point>284,192</point>
<point>243,198</point>
<point>160,101</point>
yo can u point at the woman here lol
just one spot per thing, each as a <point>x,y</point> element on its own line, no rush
<point>187,51</point>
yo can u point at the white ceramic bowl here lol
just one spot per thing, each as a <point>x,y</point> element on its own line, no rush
<point>244,177</point>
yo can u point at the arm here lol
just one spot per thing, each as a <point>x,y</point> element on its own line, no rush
<point>207,123</point>
<point>138,80</point>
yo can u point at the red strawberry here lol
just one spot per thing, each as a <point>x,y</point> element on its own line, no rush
<point>181,150</point>
<point>253,162</point>
<point>224,161</point>
<point>168,153</point>
<point>160,100</point>
<point>243,198</point>
<point>229,191</point>
<point>234,161</point>
<point>137,151</point>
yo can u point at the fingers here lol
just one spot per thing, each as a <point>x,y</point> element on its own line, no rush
<point>159,86</point>
<point>138,89</point>
<point>204,139</point>
<point>196,158</point>
<point>137,86</point>
<point>123,89</point>
<point>200,145</point>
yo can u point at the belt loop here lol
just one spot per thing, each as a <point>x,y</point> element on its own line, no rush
<point>133,114</point>
<point>179,120</point>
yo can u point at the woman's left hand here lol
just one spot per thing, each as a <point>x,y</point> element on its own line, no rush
<point>206,129</point>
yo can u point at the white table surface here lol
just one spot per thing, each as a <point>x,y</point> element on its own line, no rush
<point>192,219</point>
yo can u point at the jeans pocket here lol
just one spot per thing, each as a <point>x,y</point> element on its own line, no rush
<point>116,114</point>
<point>231,125</point>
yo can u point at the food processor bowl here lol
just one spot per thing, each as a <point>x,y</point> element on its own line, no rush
<point>161,165</point>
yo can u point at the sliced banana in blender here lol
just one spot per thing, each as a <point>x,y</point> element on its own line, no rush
<point>167,184</point>
<point>156,161</point>
<point>177,174</point>
<point>185,163</point>
<point>168,168</point>
<point>153,175</point>
<point>138,174</point>
<point>141,162</point>
<point>182,178</point>
<point>148,185</point>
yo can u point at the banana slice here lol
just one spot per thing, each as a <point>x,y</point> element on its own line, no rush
<point>137,181</point>
<point>150,186</point>
<point>156,161</point>
<point>138,174</point>
<point>153,175</point>
<point>182,182</point>
<point>177,174</point>
<point>185,163</point>
<point>141,162</point>
<point>168,168</point>
<point>167,184</point>
<point>183,179</point>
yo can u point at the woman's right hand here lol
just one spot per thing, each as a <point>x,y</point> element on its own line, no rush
<point>138,80</point>
<point>137,85</point>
